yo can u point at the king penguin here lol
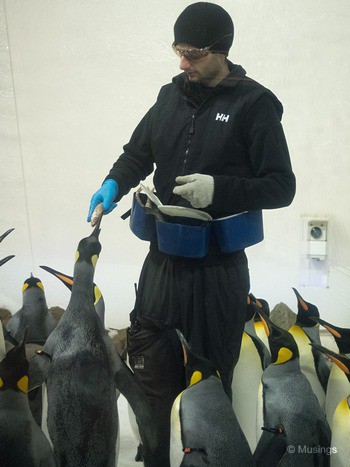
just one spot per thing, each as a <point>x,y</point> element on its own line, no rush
<point>337,382</point>
<point>34,314</point>
<point>78,365</point>
<point>22,441</point>
<point>290,405</point>
<point>340,424</point>
<point>68,282</point>
<point>83,371</point>
<point>254,357</point>
<point>312,363</point>
<point>204,428</point>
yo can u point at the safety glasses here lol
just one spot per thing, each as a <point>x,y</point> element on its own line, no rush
<point>194,53</point>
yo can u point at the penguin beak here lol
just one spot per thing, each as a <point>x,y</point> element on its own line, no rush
<point>265,323</point>
<point>300,299</point>
<point>4,235</point>
<point>334,331</point>
<point>97,230</point>
<point>4,260</point>
<point>183,344</point>
<point>340,360</point>
<point>67,280</point>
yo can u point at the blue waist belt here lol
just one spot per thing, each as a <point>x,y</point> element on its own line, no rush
<point>233,233</point>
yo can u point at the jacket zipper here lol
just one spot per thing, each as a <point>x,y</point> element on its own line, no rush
<point>190,134</point>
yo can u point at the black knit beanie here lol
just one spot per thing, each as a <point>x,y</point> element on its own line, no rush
<point>203,24</point>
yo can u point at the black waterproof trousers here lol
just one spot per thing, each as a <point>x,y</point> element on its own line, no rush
<point>204,298</point>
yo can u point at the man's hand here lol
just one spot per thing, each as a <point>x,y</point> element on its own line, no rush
<point>105,195</point>
<point>198,189</point>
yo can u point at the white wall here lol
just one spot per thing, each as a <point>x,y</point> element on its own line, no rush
<point>76,77</point>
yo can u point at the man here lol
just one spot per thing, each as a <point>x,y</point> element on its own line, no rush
<point>216,141</point>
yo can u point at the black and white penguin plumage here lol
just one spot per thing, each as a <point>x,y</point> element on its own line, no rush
<point>33,314</point>
<point>204,428</point>
<point>68,282</point>
<point>337,386</point>
<point>312,363</point>
<point>340,423</point>
<point>290,405</point>
<point>78,364</point>
<point>254,357</point>
<point>22,443</point>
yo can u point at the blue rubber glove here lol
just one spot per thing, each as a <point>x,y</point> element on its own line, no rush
<point>105,195</point>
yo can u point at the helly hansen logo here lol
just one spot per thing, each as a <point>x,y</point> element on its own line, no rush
<point>222,117</point>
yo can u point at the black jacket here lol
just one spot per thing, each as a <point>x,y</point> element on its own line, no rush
<point>235,135</point>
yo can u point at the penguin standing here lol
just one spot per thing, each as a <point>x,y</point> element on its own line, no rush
<point>22,443</point>
<point>34,314</point>
<point>337,386</point>
<point>312,363</point>
<point>290,405</point>
<point>254,357</point>
<point>204,428</point>
<point>340,424</point>
<point>77,364</point>
<point>82,370</point>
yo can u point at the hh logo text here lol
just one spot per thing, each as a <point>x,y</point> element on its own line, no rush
<point>222,117</point>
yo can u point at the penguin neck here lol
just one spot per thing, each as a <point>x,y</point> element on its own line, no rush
<point>83,277</point>
<point>36,302</point>
<point>288,367</point>
<point>82,289</point>
<point>249,328</point>
<point>313,333</point>
<point>14,401</point>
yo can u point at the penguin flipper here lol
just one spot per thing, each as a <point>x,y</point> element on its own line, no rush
<point>271,448</point>
<point>39,366</point>
<point>136,397</point>
<point>322,369</point>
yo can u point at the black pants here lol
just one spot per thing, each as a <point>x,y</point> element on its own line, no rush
<point>207,300</point>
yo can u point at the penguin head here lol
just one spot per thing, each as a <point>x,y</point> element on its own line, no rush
<point>262,304</point>
<point>250,310</point>
<point>305,311</point>
<point>341,361</point>
<point>341,335</point>
<point>197,367</point>
<point>282,344</point>
<point>32,283</point>
<point>14,368</point>
<point>89,247</point>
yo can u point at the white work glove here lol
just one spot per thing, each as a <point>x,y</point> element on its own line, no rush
<point>198,189</point>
